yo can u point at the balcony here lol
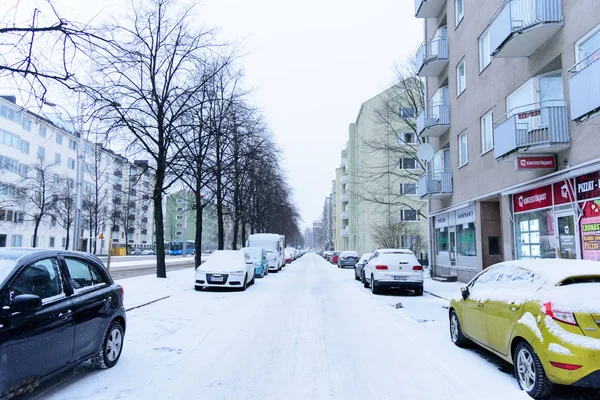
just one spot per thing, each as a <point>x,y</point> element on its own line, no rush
<point>584,85</point>
<point>432,57</point>
<point>344,197</point>
<point>520,27</point>
<point>344,163</point>
<point>344,179</point>
<point>435,184</point>
<point>535,129</point>
<point>434,121</point>
<point>344,215</point>
<point>428,8</point>
<point>345,232</point>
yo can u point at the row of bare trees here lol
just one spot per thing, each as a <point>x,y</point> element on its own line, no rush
<point>162,83</point>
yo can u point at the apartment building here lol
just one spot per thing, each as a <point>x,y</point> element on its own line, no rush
<point>512,88</point>
<point>44,165</point>
<point>376,198</point>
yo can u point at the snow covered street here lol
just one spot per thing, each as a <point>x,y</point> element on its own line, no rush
<point>308,332</point>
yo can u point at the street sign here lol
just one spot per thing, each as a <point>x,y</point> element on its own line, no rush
<point>101,237</point>
<point>535,162</point>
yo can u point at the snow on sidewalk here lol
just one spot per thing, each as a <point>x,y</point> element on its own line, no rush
<point>145,289</point>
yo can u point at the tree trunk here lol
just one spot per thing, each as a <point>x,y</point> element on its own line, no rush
<point>243,233</point>
<point>236,229</point>
<point>68,237</point>
<point>198,243</point>
<point>161,268</point>
<point>35,231</point>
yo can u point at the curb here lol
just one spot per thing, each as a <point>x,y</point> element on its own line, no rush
<point>146,304</point>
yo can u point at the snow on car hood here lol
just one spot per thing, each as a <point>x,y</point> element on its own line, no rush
<point>225,260</point>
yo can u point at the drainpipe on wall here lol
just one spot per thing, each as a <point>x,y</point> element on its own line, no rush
<point>430,238</point>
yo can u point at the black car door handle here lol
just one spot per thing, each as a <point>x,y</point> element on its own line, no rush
<point>108,299</point>
<point>66,314</point>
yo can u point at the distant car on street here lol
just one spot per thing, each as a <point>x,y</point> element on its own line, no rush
<point>147,252</point>
<point>289,254</point>
<point>347,259</point>
<point>259,257</point>
<point>358,267</point>
<point>334,257</point>
<point>226,268</point>
<point>59,309</point>
<point>393,268</point>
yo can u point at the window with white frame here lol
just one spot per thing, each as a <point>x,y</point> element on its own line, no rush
<point>461,83</point>
<point>179,217</point>
<point>57,158</point>
<point>463,149</point>
<point>41,152</point>
<point>72,144</point>
<point>71,163</point>
<point>42,131</point>
<point>487,133</point>
<point>588,47</point>
<point>406,112</point>
<point>179,226</point>
<point>179,233</point>
<point>459,10</point>
<point>59,138</point>
<point>484,50</point>
<point>408,138</point>
<point>63,242</point>
<point>409,215</point>
<point>51,242</point>
<point>16,241</point>
<point>408,163</point>
<point>408,188</point>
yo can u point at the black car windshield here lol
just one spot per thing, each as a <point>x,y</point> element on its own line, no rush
<point>6,266</point>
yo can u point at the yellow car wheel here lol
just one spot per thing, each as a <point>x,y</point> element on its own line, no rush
<point>530,372</point>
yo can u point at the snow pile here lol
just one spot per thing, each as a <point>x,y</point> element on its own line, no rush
<point>225,260</point>
<point>558,349</point>
<point>571,338</point>
<point>577,297</point>
<point>529,321</point>
<point>145,289</point>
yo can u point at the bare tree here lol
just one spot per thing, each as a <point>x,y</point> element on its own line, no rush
<point>64,207</point>
<point>146,88</point>
<point>401,234</point>
<point>36,195</point>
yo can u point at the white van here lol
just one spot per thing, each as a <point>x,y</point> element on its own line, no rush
<point>271,242</point>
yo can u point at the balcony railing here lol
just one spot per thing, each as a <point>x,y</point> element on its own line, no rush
<point>345,232</point>
<point>434,121</point>
<point>436,183</point>
<point>536,128</point>
<point>520,27</point>
<point>344,215</point>
<point>428,8</point>
<point>344,179</point>
<point>584,85</point>
<point>344,197</point>
<point>432,57</point>
<point>344,162</point>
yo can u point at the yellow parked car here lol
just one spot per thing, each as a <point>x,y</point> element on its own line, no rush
<point>543,316</point>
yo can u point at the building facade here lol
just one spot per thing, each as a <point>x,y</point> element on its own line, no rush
<point>45,165</point>
<point>512,88</point>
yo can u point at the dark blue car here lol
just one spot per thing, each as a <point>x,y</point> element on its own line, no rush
<point>58,309</point>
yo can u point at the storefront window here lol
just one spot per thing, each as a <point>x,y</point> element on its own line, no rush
<point>441,239</point>
<point>535,235</point>
<point>466,239</point>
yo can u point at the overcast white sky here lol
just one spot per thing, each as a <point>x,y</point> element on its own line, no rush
<point>313,63</point>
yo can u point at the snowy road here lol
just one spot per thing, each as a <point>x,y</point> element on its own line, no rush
<point>309,332</point>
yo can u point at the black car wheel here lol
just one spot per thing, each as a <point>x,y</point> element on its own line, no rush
<point>456,331</point>
<point>419,291</point>
<point>112,345</point>
<point>530,372</point>
<point>244,285</point>
<point>374,288</point>
<point>356,275</point>
<point>364,280</point>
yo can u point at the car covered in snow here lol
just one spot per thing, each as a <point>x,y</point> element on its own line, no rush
<point>347,259</point>
<point>358,267</point>
<point>290,254</point>
<point>259,257</point>
<point>543,316</point>
<point>226,268</point>
<point>58,309</point>
<point>393,268</point>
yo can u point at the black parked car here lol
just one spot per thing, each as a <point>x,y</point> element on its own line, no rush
<point>58,309</point>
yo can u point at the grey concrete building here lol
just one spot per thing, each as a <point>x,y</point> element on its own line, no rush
<point>512,86</point>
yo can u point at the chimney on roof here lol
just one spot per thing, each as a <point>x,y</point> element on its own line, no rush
<point>11,98</point>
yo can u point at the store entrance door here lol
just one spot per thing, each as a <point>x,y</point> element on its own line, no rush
<point>452,245</point>
<point>568,240</point>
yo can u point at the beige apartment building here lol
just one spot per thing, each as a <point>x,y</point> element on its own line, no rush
<point>512,88</point>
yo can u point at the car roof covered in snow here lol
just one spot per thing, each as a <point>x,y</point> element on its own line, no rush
<point>263,236</point>
<point>554,271</point>
<point>403,251</point>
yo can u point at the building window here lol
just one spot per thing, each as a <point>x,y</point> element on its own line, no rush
<point>53,221</point>
<point>409,215</point>
<point>42,131</point>
<point>408,188</point>
<point>180,209</point>
<point>441,240</point>
<point>461,83</point>
<point>494,245</point>
<point>24,146</point>
<point>465,234</point>
<point>534,231</point>
<point>57,158</point>
<point>588,48</point>
<point>51,242</point>
<point>463,149</point>
<point>180,201</point>
<point>406,112</point>
<point>71,163</point>
<point>72,144</point>
<point>459,10</point>
<point>56,179</point>
<point>41,152</point>
<point>178,233</point>
<point>179,225</point>
<point>484,50</point>
<point>63,242</point>
<point>59,138</point>
<point>408,137</point>
<point>487,133</point>
<point>408,163</point>
<point>16,241</point>
<point>179,217</point>
<point>26,123</point>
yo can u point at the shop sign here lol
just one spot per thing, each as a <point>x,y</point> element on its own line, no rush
<point>533,199</point>
<point>590,238</point>
<point>441,221</point>
<point>563,192</point>
<point>465,215</point>
<point>536,162</point>
<point>588,186</point>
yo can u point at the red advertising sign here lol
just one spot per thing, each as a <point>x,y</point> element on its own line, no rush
<point>536,162</point>
<point>563,191</point>
<point>533,199</point>
<point>588,186</point>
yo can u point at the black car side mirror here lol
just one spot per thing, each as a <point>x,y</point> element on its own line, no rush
<point>26,303</point>
<point>465,292</point>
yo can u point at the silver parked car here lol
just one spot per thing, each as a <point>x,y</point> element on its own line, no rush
<point>347,259</point>
<point>358,267</point>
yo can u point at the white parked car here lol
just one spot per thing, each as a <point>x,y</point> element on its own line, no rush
<point>393,268</point>
<point>226,268</point>
<point>147,252</point>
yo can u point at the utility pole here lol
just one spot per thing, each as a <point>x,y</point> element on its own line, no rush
<point>184,244</point>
